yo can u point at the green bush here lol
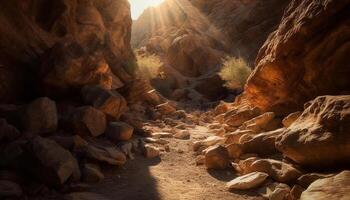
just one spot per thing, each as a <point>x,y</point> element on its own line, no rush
<point>235,71</point>
<point>148,66</point>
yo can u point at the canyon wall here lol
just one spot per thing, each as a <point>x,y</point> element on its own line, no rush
<point>46,45</point>
<point>304,58</point>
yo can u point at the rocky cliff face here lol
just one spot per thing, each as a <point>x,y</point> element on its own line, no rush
<point>304,58</point>
<point>69,33</point>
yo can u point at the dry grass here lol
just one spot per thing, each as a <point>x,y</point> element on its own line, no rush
<point>235,71</point>
<point>148,66</point>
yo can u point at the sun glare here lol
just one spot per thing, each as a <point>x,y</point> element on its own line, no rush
<point>138,6</point>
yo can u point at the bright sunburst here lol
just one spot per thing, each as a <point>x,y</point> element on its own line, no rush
<point>138,6</point>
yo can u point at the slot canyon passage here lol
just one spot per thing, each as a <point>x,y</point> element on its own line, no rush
<point>183,100</point>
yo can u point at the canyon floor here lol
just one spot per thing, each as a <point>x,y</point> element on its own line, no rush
<point>173,176</point>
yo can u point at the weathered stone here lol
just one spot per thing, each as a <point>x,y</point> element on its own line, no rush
<point>237,117</point>
<point>119,131</point>
<point>319,136</point>
<point>88,121</point>
<point>336,187</point>
<point>296,191</point>
<point>277,170</point>
<point>183,134</point>
<point>8,132</point>
<point>248,181</point>
<point>151,151</point>
<point>235,136</point>
<point>40,116</point>
<point>234,150</point>
<point>107,153</point>
<point>91,173</point>
<point>306,179</point>
<point>287,121</point>
<point>210,141</point>
<point>49,162</point>
<point>258,123</point>
<point>108,101</point>
<point>162,135</point>
<point>216,157</point>
<point>165,108</point>
<point>275,191</point>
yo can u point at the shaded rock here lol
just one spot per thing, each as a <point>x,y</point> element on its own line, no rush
<point>235,136</point>
<point>296,191</point>
<point>66,142</point>
<point>200,160</point>
<point>108,101</point>
<point>306,179</point>
<point>258,123</point>
<point>275,191</point>
<point>319,136</point>
<point>119,131</point>
<point>50,163</point>
<point>40,116</point>
<point>8,133</point>
<point>216,157</point>
<point>88,121</point>
<point>165,108</point>
<point>104,152</point>
<point>287,121</point>
<point>91,173</point>
<point>234,150</point>
<point>151,151</point>
<point>127,149</point>
<point>9,189</point>
<point>279,171</point>
<point>336,187</point>
<point>248,181</point>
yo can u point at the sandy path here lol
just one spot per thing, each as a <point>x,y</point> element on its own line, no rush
<point>173,176</point>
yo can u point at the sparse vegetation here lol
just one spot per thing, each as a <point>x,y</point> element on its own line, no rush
<point>235,71</point>
<point>148,66</point>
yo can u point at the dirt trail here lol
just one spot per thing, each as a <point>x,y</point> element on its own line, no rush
<point>173,176</point>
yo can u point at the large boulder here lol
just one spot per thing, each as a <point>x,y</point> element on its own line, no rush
<point>336,187</point>
<point>307,56</point>
<point>216,157</point>
<point>319,137</point>
<point>40,116</point>
<point>88,121</point>
<point>109,102</point>
<point>49,162</point>
<point>277,170</point>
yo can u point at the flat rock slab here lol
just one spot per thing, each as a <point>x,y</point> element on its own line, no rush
<point>247,181</point>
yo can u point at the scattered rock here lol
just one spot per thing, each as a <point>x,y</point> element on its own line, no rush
<point>287,121</point>
<point>165,108</point>
<point>235,136</point>
<point>296,191</point>
<point>108,101</point>
<point>151,151</point>
<point>259,123</point>
<point>279,171</point>
<point>51,163</point>
<point>162,135</point>
<point>336,187</point>
<point>237,117</point>
<point>105,153</point>
<point>91,173</point>
<point>248,181</point>
<point>183,135</point>
<point>274,191</point>
<point>119,131</point>
<point>200,160</point>
<point>40,116</point>
<point>234,150</point>
<point>9,189</point>
<point>210,141</point>
<point>88,121</point>
<point>156,141</point>
<point>216,157</point>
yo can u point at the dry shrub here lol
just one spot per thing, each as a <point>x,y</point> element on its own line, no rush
<point>148,66</point>
<point>235,71</point>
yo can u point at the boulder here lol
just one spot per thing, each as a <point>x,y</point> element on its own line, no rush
<point>216,157</point>
<point>296,191</point>
<point>335,187</point>
<point>306,179</point>
<point>259,123</point>
<point>40,116</point>
<point>8,133</point>
<point>236,135</point>
<point>319,136</point>
<point>91,173</point>
<point>9,190</point>
<point>277,170</point>
<point>210,141</point>
<point>165,108</point>
<point>119,131</point>
<point>234,150</point>
<point>248,181</point>
<point>108,101</point>
<point>104,152</point>
<point>49,162</point>
<point>183,135</point>
<point>274,191</point>
<point>287,121</point>
<point>88,121</point>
